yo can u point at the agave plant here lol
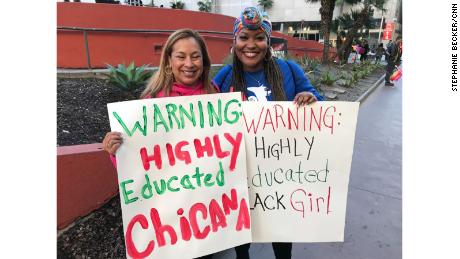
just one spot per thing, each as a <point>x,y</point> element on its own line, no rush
<point>177,5</point>
<point>327,78</point>
<point>315,80</point>
<point>128,78</point>
<point>346,79</point>
<point>357,76</point>
<point>313,65</point>
<point>310,65</point>
<point>204,6</point>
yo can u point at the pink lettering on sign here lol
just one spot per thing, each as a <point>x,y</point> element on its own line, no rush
<point>214,217</point>
<point>186,152</point>
<point>306,118</point>
<point>307,202</point>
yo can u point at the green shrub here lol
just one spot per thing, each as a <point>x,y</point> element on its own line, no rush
<point>327,78</point>
<point>355,76</point>
<point>315,80</point>
<point>348,82</point>
<point>128,78</point>
<point>214,70</point>
<point>177,5</point>
<point>204,6</point>
<point>346,79</point>
<point>366,63</point>
<point>313,65</point>
<point>309,65</point>
<point>344,75</point>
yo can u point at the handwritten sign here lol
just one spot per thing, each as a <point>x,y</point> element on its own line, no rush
<point>298,169</point>
<point>182,175</point>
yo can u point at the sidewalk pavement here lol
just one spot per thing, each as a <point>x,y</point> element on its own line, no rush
<point>373,228</point>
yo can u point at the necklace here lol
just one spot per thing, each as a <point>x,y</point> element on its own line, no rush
<point>258,81</point>
<point>261,92</point>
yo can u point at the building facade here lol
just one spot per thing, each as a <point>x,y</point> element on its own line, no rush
<point>301,18</point>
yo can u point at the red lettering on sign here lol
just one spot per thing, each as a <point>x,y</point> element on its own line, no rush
<point>169,151</point>
<point>228,203</point>
<point>201,149</point>
<point>185,229</point>
<point>243,217</point>
<point>218,148</point>
<point>278,114</point>
<point>251,125</point>
<point>236,147</point>
<point>193,221</point>
<point>155,157</point>
<point>268,120</point>
<point>160,229</point>
<point>217,216</point>
<point>183,151</point>
<point>182,155</point>
<point>189,225</point>
<point>130,247</point>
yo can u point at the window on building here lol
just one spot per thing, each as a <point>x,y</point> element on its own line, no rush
<point>311,36</point>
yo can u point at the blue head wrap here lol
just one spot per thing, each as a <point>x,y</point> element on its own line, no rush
<point>253,19</point>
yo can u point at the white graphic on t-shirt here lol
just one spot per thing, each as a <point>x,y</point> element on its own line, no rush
<point>261,93</point>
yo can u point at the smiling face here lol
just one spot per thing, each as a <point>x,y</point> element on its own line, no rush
<point>186,61</point>
<point>250,48</point>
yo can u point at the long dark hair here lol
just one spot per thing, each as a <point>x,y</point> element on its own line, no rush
<point>272,73</point>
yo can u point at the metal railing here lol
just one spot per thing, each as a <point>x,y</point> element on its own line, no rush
<point>205,33</point>
<point>137,30</point>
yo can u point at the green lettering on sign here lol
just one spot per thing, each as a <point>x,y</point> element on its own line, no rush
<point>126,193</point>
<point>142,129</point>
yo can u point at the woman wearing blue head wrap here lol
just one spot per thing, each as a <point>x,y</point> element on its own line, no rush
<point>262,77</point>
<point>255,72</point>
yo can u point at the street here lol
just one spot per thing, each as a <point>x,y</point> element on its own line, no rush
<point>373,228</point>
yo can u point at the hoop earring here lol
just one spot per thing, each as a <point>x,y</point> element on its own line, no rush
<point>168,70</point>
<point>231,50</point>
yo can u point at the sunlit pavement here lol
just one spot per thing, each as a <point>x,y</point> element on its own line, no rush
<point>373,223</point>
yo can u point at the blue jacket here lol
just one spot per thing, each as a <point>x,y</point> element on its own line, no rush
<point>294,81</point>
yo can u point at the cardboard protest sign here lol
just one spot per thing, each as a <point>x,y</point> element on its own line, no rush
<point>182,175</point>
<point>298,169</point>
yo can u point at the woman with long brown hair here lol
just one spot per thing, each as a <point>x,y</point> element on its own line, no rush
<point>184,70</point>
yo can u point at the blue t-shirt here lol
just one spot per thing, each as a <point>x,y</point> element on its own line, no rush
<point>258,89</point>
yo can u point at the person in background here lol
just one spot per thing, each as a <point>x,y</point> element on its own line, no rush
<point>296,34</point>
<point>357,50</point>
<point>262,77</point>
<point>184,70</point>
<point>390,42</point>
<point>365,47</point>
<point>379,53</point>
<point>394,52</point>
